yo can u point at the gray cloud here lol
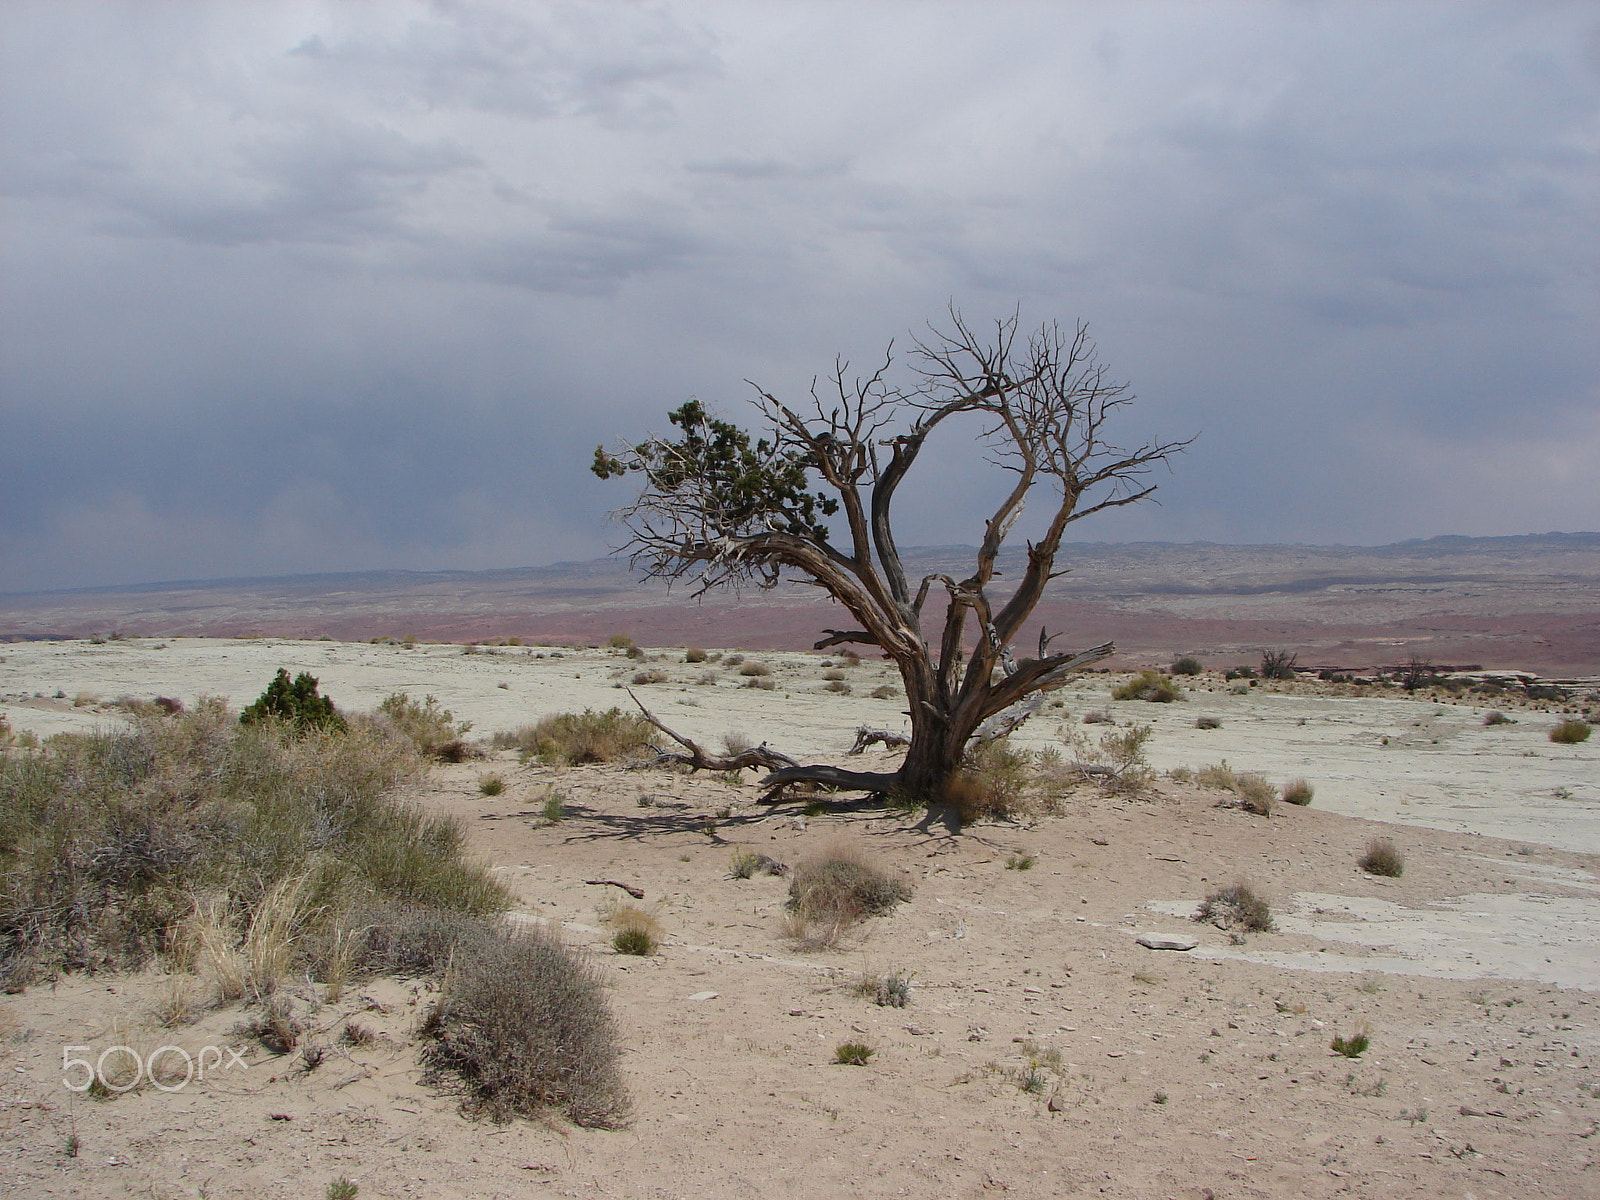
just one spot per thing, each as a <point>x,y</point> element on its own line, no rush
<point>306,287</point>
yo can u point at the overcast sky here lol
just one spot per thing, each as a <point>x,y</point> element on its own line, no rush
<point>301,287</point>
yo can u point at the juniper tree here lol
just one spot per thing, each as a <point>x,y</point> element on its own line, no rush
<point>813,493</point>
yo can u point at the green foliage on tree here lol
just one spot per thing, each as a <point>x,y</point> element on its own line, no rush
<point>296,702</point>
<point>742,488</point>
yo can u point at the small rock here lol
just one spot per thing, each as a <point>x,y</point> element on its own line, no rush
<point>918,1031</point>
<point>704,996</point>
<point>1154,942</point>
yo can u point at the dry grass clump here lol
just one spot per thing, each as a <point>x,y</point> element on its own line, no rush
<point>694,655</point>
<point>1236,908</point>
<point>832,891</point>
<point>119,846</point>
<point>837,685</point>
<point>653,675</point>
<point>1098,717</point>
<point>1569,731</point>
<point>1383,857</point>
<point>754,668</point>
<point>1251,791</point>
<point>523,1029</point>
<point>885,692</point>
<point>1497,717</point>
<point>1148,685</point>
<point>635,930</point>
<point>1208,723</point>
<point>760,683</point>
<point>491,785</point>
<point>1298,791</point>
<point>570,739</point>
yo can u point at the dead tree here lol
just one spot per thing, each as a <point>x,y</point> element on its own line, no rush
<point>717,508</point>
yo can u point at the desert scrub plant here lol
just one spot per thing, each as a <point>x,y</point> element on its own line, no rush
<point>747,865</point>
<point>834,890</point>
<point>107,839</point>
<point>885,692</point>
<point>1298,791</point>
<point>1148,685</point>
<point>1021,862</point>
<point>491,785</point>
<point>1569,731</point>
<point>1496,717</point>
<point>991,782</point>
<point>554,808</point>
<point>635,930</point>
<point>342,1189</point>
<point>1383,857</point>
<point>761,683</point>
<point>887,991</point>
<point>571,739</point>
<point>522,1029</point>
<point>296,702</point>
<point>653,675</point>
<point>838,686</point>
<point>1186,665</point>
<point>1353,1046</point>
<point>1116,763</point>
<point>853,1054</point>
<point>1236,907</point>
<point>694,655</point>
<point>754,668</point>
<point>1279,664</point>
<point>1249,790</point>
<point>1208,723</point>
<point>429,726</point>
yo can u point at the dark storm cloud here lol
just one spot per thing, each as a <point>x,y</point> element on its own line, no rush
<point>311,286</point>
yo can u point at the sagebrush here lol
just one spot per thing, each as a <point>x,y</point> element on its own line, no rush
<point>111,843</point>
<point>522,1028</point>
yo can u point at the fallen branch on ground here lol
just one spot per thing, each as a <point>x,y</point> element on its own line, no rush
<point>866,737</point>
<point>757,757</point>
<point>636,893</point>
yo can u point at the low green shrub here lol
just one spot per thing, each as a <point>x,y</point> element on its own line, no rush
<point>853,1054</point>
<point>298,703</point>
<point>1187,665</point>
<point>1353,1046</point>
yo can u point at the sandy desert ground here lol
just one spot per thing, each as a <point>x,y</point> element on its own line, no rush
<point>1148,1073</point>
